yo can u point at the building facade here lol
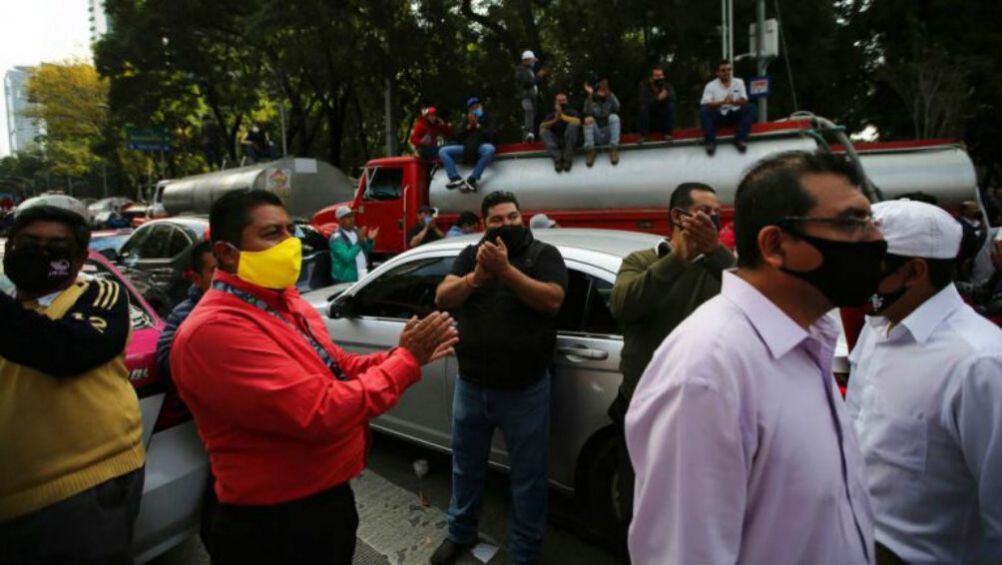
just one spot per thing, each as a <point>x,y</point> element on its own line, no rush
<point>21,131</point>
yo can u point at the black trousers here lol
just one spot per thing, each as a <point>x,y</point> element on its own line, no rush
<point>319,529</point>
<point>887,557</point>
<point>90,528</point>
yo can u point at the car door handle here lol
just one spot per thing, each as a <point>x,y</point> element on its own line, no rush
<point>583,352</point>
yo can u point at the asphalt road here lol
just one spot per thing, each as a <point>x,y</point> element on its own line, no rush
<point>403,517</point>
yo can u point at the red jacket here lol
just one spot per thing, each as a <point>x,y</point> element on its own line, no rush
<point>422,128</point>
<point>277,425</point>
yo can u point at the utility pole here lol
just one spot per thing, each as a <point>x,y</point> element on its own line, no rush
<point>391,135</point>
<point>760,59</point>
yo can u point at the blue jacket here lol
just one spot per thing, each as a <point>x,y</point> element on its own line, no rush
<point>174,319</point>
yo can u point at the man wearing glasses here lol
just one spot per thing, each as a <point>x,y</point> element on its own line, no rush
<point>742,449</point>
<point>725,102</point>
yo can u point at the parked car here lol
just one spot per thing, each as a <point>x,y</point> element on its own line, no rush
<point>161,249</point>
<point>369,315</point>
<point>177,467</point>
<point>109,242</point>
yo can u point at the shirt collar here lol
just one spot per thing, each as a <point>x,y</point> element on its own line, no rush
<point>777,330</point>
<point>48,299</point>
<point>277,299</point>
<point>930,314</point>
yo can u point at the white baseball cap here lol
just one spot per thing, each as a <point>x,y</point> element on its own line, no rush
<point>541,222</point>
<point>527,54</point>
<point>917,229</point>
<point>342,211</point>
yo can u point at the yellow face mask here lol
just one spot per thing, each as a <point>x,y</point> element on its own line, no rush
<point>276,268</point>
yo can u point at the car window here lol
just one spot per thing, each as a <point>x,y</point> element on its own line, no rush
<point>404,291</point>
<point>383,183</point>
<point>178,242</point>
<point>154,245</point>
<point>135,242</point>
<point>586,306</point>
<point>138,317</point>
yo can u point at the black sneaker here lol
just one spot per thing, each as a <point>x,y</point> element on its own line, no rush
<point>711,148</point>
<point>530,138</point>
<point>449,552</point>
<point>471,184</point>
<point>558,165</point>
<point>567,165</point>
<point>457,182</point>
<point>741,145</point>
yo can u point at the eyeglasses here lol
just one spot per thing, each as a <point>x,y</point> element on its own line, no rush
<point>848,225</point>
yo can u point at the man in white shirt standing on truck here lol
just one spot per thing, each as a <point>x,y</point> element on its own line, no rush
<point>925,397</point>
<point>725,102</point>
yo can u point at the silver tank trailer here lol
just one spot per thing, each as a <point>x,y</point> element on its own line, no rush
<point>647,174</point>
<point>304,185</point>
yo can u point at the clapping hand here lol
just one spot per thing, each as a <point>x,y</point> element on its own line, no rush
<point>493,256</point>
<point>430,339</point>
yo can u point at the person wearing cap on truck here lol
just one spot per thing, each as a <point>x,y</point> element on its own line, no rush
<point>427,130</point>
<point>559,132</point>
<point>925,399</point>
<point>426,231</point>
<point>350,247</point>
<point>527,77</point>
<point>476,145</point>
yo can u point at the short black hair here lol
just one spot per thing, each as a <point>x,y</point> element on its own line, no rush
<point>771,190</point>
<point>919,196</point>
<point>467,218</point>
<point>198,252</point>
<point>426,209</point>
<point>681,197</point>
<point>724,62</point>
<point>231,213</point>
<point>942,272</point>
<point>495,198</point>
<point>79,229</point>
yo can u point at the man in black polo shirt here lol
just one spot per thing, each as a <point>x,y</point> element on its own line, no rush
<point>426,231</point>
<point>505,292</point>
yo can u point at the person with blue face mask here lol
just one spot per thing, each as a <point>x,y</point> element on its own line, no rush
<point>425,230</point>
<point>476,146</point>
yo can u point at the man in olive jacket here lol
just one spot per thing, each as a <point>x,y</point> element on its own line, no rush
<point>658,288</point>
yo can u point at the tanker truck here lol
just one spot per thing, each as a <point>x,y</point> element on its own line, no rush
<point>304,185</point>
<point>633,195</point>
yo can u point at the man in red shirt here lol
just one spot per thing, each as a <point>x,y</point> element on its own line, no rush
<point>283,412</point>
<point>427,130</point>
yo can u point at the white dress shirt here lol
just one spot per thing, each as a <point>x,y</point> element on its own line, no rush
<point>926,401</point>
<point>741,448</point>
<point>715,91</point>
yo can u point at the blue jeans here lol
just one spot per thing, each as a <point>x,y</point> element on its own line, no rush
<point>449,153</point>
<point>743,117</point>
<point>524,419</point>
<point>595,134</point>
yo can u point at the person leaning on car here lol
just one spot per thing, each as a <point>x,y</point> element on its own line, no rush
<point>281,409</point>
<point>71,452</point>
<point>658,288</point>
<point>506,291</point>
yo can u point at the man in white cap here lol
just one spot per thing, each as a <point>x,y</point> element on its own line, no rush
<point>542,222</point>
<point>350,247</point>
<point>527,77</point>
<point>925,398</point>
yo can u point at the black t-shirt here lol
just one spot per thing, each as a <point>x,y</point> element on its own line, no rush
<point>561,126</point>
<point>429,237</point>
<point>503,343</point>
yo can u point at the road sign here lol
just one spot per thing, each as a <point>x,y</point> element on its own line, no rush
<point>758,87</point>
<point>154,139</point>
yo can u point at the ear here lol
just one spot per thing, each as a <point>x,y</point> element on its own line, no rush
<point>916,272</point>
<point>227,256</point>
<point>770,245</point>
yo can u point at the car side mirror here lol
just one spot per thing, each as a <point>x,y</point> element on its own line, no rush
<point>110,254</point>
<point>343,306</point>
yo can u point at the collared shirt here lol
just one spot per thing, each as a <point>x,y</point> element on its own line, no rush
<point>715,91</point>
<point>741,447</point>
<point>925,397</point>
<point>361,262</point>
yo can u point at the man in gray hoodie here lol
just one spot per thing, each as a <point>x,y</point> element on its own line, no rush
<point>601,124</point>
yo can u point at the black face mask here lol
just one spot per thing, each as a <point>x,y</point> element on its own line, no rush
<point>38,269</point>
<point>659,82</point>
<point>513,236</point>
<point>881,301</point>
<point>850,270</point>
<point>715,218</point>
<point>563,107</point>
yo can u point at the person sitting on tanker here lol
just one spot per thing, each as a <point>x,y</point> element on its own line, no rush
<point>350,247</point>
<point>601,124</point>
<point>725,102</point>
<point>426,231</point>
<point>257,144</point>
<point>476,145</point>
<point>467,223</point>
<point>657,105</point>
<point>559,132</point>
<point>425,134</point>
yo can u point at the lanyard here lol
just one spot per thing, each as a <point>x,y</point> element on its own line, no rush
<point>325,356</point>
